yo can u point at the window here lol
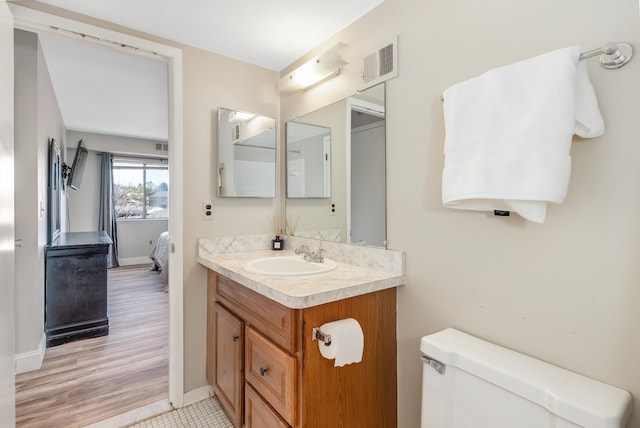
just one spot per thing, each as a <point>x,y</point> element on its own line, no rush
<point>141,188</point>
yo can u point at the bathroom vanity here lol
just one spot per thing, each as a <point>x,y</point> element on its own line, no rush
<point>264,364</point>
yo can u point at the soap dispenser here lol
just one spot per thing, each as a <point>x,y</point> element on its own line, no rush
<point>277,244</point>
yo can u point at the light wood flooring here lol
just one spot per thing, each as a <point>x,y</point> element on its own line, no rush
<point>89,380</point>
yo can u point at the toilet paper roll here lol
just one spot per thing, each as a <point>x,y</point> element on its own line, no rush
<point>347,342</point>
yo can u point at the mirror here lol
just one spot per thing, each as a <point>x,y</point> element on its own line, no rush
<point>246,155</point>
<point>354,209</point>
<point>54,185</point>
<point>308,160</point>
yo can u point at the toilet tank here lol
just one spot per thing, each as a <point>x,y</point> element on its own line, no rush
<point>468,382</point>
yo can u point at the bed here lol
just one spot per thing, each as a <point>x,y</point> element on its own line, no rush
<point>160,257</point>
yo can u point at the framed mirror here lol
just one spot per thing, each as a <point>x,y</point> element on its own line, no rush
<point>54,184</point>
<point>308,160</point>
<point>246,155</point>
<point>354,210</point>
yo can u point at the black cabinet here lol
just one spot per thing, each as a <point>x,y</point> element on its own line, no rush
<point>76,287</point>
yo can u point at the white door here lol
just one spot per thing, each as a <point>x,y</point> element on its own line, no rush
<point>368,185</point>
<point>7,222</point>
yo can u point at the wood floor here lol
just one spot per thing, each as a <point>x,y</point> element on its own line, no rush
<point>89,380</point>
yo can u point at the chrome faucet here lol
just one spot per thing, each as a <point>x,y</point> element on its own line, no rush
<point>315,257</point>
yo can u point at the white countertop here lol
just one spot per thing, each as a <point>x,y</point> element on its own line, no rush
<point>297,292</point>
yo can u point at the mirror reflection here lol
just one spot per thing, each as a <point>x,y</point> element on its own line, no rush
<point>246,154</point>
<point>308,160</point>
<point>355,209</point>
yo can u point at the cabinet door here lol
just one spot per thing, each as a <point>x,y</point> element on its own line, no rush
<point>228,362</point>
<point>259,414</point>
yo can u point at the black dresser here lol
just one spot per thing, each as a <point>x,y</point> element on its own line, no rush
<point>76,287</point>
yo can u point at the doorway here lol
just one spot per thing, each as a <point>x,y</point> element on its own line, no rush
<point>366,154</point>
<point>35,21</point>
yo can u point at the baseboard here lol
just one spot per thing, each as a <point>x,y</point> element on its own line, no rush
<point>134,261</point>
<point>196,395</point>
<point>32,360</point>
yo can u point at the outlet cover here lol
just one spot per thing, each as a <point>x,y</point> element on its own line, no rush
<point>207,210</point>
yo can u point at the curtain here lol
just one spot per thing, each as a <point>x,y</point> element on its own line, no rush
<point>107,213</point>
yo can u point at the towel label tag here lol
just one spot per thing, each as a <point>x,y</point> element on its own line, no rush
<point>501,213</point>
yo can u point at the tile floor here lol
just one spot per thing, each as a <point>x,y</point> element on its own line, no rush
<point>203,414</point>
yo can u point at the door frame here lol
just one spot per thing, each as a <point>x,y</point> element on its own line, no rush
<point>41,22</point>
<point>7,221</point>
<point>356,104</point>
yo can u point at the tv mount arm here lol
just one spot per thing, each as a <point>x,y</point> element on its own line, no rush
<point>66,169</point>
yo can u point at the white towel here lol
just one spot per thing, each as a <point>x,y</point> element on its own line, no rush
<point>509,132</point>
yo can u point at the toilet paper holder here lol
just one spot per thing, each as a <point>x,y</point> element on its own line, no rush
<point>317,334</point>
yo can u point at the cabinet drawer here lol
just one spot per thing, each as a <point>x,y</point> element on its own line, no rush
<point>272,372</point>
<point>259,414</point>
<point>271,318</point>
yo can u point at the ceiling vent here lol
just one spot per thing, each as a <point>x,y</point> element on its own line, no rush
<point>235,133</point>
<point>164,148</point>
<point>380,65</point>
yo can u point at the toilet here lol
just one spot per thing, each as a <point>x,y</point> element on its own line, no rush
<point>470,383</point>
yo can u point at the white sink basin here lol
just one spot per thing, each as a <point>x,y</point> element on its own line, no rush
<point>287,266</point>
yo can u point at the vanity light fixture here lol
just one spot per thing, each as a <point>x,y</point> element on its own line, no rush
<point>316,70</point>
<point>239,116</point>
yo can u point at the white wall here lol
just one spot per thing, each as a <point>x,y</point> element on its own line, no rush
<point>567,291</point>
<point>136,239</point>
<point>37,119</point>
<point>212,81</point>
<point>114,144</point>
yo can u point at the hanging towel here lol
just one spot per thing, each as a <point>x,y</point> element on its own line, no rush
<point>509,132</point>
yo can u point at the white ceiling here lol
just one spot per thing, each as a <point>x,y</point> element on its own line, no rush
<point>107,92</point>
<point>268,33</point>
<point>115,93</point>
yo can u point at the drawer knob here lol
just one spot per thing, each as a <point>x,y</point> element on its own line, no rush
<point>263,371</point>
<point>235,337</point>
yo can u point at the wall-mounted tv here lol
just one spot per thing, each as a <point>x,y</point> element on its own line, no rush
<point>77,168</point>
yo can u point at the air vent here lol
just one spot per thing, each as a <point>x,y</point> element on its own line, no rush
<point>381,65</point>
<point>162,147</point>
<point>386,60</point>
<point>235,133</point>
<point>370,68</point>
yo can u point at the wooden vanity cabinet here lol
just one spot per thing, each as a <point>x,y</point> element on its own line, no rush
<point>276,367</point>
